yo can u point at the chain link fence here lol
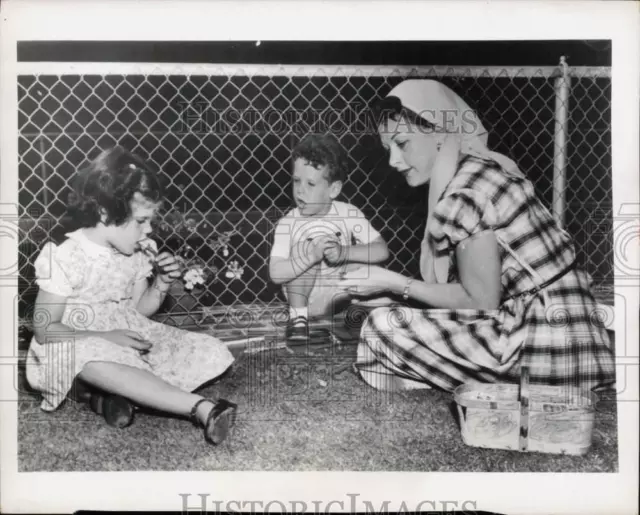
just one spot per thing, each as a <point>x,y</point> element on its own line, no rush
<point>222,137</point>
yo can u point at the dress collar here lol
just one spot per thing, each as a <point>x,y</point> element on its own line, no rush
<point>90,246</point>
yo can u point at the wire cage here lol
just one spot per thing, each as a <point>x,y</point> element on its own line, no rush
<point>222,137</point>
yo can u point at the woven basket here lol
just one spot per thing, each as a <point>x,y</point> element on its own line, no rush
<point>527,418</point>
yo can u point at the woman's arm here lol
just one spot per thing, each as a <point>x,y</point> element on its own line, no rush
<point>479,270</point>
<point>479,288</point>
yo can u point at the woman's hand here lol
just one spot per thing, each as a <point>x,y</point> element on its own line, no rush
<point>127,338</point>
<point>169,268</point>
<point>368,281</point>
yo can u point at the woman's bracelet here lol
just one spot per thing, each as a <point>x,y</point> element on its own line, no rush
<point>405,293</point>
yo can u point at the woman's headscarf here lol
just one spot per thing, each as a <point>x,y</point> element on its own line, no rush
<point>440,106</point>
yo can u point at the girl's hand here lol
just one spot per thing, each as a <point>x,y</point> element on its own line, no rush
<point>128,338</point>
<point>371,281</point>
<point>169,269</point>
<point>335,253</point>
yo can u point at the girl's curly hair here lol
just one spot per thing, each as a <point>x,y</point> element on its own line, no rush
<point>324,150</point>
<point>108,183</point>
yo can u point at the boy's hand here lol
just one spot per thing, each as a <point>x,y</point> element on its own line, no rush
<point>335,253</point>
<point>311,251</point>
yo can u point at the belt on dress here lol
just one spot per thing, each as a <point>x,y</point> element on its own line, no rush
<point>542,286</point>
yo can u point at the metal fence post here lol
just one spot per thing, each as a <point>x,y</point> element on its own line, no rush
<point>562,85</point>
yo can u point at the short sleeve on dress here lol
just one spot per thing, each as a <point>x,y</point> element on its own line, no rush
<point>52,274</point>
<point>460,215</point>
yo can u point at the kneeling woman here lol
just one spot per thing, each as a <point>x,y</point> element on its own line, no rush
<point>499,285</point>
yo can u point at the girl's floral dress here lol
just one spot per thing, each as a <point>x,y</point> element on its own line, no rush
<point>98,283</point>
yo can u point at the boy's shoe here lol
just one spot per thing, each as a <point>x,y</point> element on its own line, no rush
<point>298,332</point>
<point>297,329</point>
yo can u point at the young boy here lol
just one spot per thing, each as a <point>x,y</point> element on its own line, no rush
<point>316,241</point>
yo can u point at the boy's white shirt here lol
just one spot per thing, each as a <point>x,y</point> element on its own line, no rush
<point>342,217</point>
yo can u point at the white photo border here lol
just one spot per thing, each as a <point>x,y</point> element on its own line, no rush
<point>410,20</point>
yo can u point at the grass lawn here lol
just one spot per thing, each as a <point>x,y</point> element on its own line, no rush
<point>298,411</point>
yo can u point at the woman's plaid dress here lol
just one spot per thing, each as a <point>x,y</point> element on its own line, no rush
<point>557,331</point>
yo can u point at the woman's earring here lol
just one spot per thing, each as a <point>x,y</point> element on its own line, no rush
<point>438,147</point>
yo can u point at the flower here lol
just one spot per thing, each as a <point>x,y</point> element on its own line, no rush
<point>195,272</point>
<point>234,271</point>
<point>189,237</point>
<point>193,276</point>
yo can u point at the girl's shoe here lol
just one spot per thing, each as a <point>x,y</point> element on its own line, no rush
<point>219,422</point>
<point>80,391</point>
<point>116,410</point>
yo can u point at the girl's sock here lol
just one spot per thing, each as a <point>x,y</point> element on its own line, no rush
<point>298,312</point>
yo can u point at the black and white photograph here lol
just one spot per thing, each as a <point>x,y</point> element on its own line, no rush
<point>343,254</point>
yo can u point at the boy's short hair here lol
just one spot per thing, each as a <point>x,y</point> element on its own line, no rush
<point>324,150</point>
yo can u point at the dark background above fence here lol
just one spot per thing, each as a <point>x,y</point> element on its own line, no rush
<point>392,53</point>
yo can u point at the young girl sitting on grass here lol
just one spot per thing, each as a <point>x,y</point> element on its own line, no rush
<point>90,318</point>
